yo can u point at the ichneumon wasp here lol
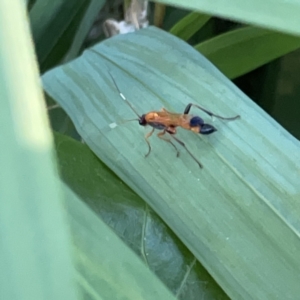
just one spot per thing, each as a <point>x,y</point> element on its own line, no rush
<point>167,122</point>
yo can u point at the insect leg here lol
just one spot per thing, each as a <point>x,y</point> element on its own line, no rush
<point>160,135</point>
<point>188,107</point>
<point>146,139</point>
<point>189,152</point>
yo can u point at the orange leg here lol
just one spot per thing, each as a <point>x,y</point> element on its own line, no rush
<point>146,139</point>
<point>189,152</point>
<point>160,135</point>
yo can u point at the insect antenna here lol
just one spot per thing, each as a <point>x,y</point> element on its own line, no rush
<point>124,98</point>
<point>125,121</point>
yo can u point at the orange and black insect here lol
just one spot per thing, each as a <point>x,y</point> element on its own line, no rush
<point>167,122</point>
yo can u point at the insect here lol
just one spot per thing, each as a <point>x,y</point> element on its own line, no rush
<point>167,122</point>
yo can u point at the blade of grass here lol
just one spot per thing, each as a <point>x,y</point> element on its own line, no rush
<point>34,245</point>
<point>272,14</point>
<point>189,25</point>
<point>242,50</point>
<point>85,25</point>
<point>53,25</point>
<point>106,267</point>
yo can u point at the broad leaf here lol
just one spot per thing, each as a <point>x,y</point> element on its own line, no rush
<point>239,215</point>
<point>134,221</point>
<point>105,267</point>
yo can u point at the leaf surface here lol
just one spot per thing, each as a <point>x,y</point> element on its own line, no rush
<point>239,215</point>
<point>242,50</point>
<point>272,14</point>
<point>134,222</point>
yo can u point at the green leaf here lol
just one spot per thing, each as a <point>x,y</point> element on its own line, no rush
<point>35,245</point>
<point>85,25</point>
<point>239,215</point>
<point>242,50</point>
<point>272,14</point>
<point>60,28</point>
<point>53,25</point>
<point>189,25</point>
<point>106,268</point>
<point>132,219</point>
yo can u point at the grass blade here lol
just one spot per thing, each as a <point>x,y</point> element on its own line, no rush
<point>242,50</point>
<point>106,268</point>
<point>189,25</point>
<point>272,14</point>
<point>34,245</point>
